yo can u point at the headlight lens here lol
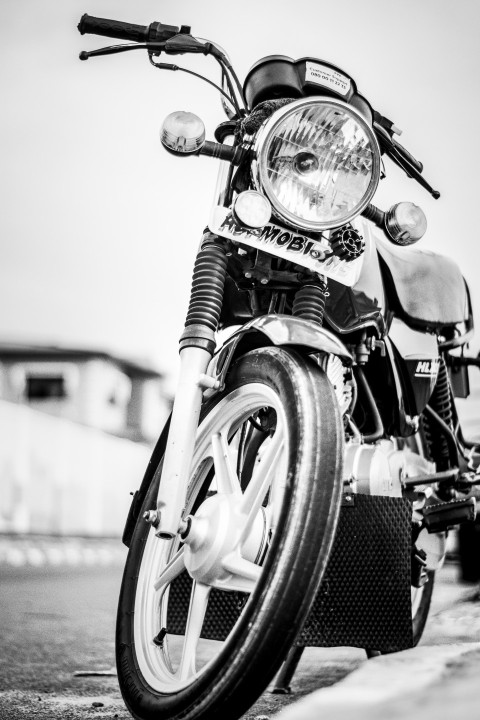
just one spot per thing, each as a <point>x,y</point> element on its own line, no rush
<point>318,162</point>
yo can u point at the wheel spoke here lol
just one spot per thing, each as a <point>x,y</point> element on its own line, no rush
<point>170,572</point>
<point>226,477</point>
<point>244,573</point>
<point>196,614</point>
<point>258,485</point>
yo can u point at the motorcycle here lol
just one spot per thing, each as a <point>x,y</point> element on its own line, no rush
<point>303,487</point>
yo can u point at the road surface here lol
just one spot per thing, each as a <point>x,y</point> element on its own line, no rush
<point>57,619</point>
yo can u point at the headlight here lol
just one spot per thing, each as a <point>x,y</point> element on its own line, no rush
<point>318,162</point>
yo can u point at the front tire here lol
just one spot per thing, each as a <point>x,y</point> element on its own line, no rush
<point>263,500</point>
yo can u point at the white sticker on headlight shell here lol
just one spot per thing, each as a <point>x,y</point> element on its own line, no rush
<point>315,255</point>
<point>326,76</point>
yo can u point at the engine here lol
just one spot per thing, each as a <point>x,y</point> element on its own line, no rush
<point>379,469</point>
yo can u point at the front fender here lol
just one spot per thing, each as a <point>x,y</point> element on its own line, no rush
<point>279,330</point>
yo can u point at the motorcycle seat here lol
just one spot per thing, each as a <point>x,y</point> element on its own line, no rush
<point>426,289</point>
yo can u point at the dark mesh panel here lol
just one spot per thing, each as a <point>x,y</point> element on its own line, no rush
<point>364,598</point>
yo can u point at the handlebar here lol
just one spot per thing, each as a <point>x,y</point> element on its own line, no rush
<point>158,38</point>
<point>154,33</point>
<point>155,37</point>
<point>172,40</point>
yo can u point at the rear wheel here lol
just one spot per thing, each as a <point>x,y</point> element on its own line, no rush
<point>421,596</point>
<point>421,599</point>
<point>205,620</point>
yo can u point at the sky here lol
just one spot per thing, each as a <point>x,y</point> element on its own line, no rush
<point>99,225</point>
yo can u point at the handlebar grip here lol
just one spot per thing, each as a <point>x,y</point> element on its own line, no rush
<point>112,28</point>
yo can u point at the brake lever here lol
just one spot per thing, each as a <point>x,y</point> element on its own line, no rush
<point>404,160</point>
<point>412,171</point>
<point>178,45</point>
<point>113,50</point>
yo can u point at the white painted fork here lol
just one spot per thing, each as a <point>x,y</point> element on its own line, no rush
<point>181,440</point>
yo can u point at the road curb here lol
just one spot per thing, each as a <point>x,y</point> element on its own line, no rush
<point>383,679</point>
<point>39,551</point>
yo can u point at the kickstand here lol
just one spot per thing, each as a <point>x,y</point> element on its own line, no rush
<point>282,681</point>
<point>372,653</point>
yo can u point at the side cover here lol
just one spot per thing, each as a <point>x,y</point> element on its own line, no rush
<point>417,360</point>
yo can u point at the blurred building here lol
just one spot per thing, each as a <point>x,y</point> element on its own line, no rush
<point>96,389</point>
<point>76,428</point>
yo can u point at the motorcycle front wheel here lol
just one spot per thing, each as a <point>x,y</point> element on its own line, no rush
<point>263,503</point>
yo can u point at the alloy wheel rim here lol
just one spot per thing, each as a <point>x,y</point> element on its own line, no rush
<point>233,565</point>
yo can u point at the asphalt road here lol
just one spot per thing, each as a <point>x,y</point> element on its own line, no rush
<point>57,621</point>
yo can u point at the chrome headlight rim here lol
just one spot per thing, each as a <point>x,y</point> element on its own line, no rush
<point>259,165</point>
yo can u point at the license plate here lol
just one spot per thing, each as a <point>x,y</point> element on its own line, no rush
<point>316,255</point>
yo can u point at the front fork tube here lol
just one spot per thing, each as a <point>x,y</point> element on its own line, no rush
<point>181,440</point>
<point>197,345</point>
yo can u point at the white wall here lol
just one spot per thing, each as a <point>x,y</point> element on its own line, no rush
<point>60,477</point>
<point>100,381</point>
